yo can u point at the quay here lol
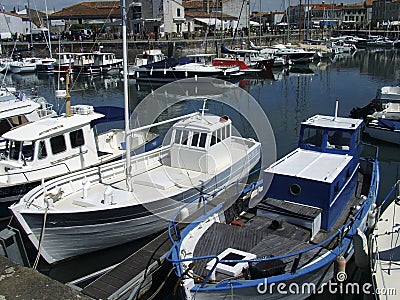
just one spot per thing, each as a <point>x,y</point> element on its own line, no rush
<point>18,282</point>
<point>180,46</point>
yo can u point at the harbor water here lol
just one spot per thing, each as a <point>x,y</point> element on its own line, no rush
<point>287,96</point>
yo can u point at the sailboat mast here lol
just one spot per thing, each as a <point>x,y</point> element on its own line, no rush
<point>30,24</point>
<point>126,98</point>
<point>300,20</point>
<point>48,29</point>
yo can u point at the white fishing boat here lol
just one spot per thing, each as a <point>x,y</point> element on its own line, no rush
<point>106,206</point>
<point>122,201</point>
<point>18,110</point>
<point>385,125</point>
<point>25,65</point>
<point>385,247</point>
<point>147,57</point>
<point>388,94</point>
<point>313,200</point>
<point>51,147</point>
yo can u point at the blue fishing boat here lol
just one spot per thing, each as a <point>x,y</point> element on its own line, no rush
<point>298,226</point>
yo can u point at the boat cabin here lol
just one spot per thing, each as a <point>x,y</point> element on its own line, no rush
<point>15,112</point>
<point>322,171</point>
<point>201,143</point>
<point>61,140</point>
<point>149,57</point>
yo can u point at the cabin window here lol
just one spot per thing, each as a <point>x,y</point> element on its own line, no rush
<point>313,136</point>
<point>42,152</point>
<point>185,137</point>
<point>178,134</point>
<point>28,149</point>
<point>77,139</point>
<point>5,126</point>
<point>214,138</point>
<point>228,131</point>
<point>295,189</point>
<point>195,139</point>
<point>338,140</point>
<point>178,12</point>
<point>14,150</point>
<point>203,138</point>
<point>57,144</point>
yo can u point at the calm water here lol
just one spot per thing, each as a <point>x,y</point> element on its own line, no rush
<point>286,96</point>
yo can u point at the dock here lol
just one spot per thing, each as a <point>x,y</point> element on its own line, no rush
<point>133,276</point>
<point>18,282</point>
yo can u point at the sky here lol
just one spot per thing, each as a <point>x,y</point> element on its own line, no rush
<point>266,5</point>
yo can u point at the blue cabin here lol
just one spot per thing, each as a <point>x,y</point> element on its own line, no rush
<point>322,171</point>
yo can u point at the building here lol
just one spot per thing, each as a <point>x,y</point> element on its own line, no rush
<point>15,24</point>
<point>157,17</point>
<point>357,15</point>
<point>385,13</point>
<point>104,13</point>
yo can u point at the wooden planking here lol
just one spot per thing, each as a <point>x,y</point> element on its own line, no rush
<point>261,242</point>
<point>289,230</point>
<point>290,208</point>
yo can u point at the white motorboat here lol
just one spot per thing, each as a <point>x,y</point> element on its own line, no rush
<point>388,94</point>
<point>51,147</point>
<point>296,55</point>
<point>122,201</point>
<point>106,206</point>
<point>18,110</point>
<point>385,125</point>
<point>385,247</point>
<point>25,65</point>
<point>147,57</point>
<point>172,69</point>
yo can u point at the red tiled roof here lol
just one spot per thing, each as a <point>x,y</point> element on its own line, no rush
<point>99,9</point>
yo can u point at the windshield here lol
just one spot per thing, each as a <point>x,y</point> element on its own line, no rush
<point>17,150</point>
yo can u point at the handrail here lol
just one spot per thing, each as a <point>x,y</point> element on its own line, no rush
<point>389,194</point>
<point>172,223</point>
<point>341,232</point>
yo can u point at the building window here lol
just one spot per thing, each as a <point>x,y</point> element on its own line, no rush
<point>178,12</point>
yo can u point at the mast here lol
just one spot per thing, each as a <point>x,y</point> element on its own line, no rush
<point>30,24</point>
<point>300,21</point>
<point>126,98</point>
<point>48,29</point>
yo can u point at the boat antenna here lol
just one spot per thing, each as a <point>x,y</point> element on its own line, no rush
<point>336,108</point>
<point>204,107</point>
<point>126,98</point>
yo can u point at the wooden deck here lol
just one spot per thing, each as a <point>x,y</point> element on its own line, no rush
<point>262,241</point>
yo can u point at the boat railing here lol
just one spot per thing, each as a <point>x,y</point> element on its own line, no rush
<point>340,234</point>
<point>173,228</point>
<point>392,195</point>
<point>174,255</point>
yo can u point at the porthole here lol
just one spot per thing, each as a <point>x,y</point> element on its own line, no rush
<point>295,189</point>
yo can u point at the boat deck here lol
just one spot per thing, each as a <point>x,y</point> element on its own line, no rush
<point>159,182</point>
<point>257,237</point>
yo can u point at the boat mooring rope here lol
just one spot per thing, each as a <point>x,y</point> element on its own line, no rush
<point>41,238</point>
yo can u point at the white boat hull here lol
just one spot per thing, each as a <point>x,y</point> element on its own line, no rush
<point>70,234</point>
